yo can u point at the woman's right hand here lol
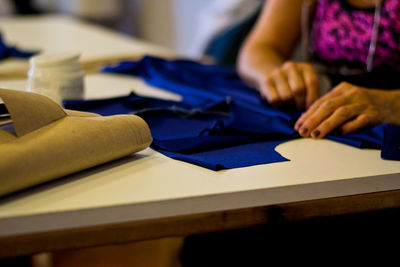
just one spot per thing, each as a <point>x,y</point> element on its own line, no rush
<point>291,83</point>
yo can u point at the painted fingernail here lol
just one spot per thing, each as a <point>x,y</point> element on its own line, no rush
<point>303,131</point>
<point>298,126</point>
<point>315,133</point>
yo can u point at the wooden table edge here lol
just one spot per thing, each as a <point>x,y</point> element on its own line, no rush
<point>119,233</point>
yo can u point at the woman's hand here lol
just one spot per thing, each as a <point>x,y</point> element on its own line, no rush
<point>348,108</point>
<point>291,83</point>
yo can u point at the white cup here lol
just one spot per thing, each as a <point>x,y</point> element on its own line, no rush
<point>56,75</point>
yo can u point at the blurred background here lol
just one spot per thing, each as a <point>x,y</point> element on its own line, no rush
<point>187,27</point>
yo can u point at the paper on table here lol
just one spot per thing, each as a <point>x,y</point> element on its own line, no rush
<point>47,142</point>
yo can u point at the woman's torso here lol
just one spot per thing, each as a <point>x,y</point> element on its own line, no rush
<point>342,33</point>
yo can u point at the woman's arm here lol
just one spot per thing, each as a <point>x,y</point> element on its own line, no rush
<point>262,58</point>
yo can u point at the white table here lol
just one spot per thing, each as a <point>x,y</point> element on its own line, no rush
<point>148,195</point>
<point>149,187</point>
<point>55,33</point>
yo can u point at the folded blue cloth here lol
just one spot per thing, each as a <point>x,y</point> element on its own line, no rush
<point>220,123</point>
<point>7,51</point>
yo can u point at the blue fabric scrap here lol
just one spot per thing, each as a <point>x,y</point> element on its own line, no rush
<point>220,123</point>
<point>7,51</point>
<point>391,143</point>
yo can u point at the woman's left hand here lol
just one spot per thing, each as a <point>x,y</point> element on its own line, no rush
<point>348,108</point>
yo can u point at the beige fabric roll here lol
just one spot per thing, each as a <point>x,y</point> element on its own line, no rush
<point>47,142</point>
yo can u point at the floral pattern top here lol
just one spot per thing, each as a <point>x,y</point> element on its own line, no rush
<point>341,35</point>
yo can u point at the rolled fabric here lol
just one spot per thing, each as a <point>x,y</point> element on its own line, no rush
<point>47,142</point>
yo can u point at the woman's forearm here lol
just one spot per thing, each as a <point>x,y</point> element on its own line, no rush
<point>255,61</point>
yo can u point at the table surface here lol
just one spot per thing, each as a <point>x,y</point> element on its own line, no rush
<point>148,186</point>
<point>55,34</point>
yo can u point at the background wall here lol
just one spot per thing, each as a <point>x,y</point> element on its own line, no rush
<point>181,25</point>
<point>171,23</point>
<point>185,25</point>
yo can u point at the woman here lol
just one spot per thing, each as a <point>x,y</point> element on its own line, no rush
<point>357,42</point>
<point>340,39</point>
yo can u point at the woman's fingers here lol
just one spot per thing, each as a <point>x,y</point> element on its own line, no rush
<point>311,84</point>
<point>296,84</point>
<point>269,92</point>
<point>282,86</point>
<point>339,117</point>
<point>319,114</point>
<point>291,83</point>
<point>358,123</point>
<point>347,108</point>
<point>321,109</point>
<point>311,110</point>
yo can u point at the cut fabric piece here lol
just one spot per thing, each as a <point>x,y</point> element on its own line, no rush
<point>220,122</point>
<point>202,137</point>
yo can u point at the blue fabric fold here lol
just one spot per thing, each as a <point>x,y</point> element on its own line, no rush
<point>209,138</point>
<point>7,51</point>
<point>220,123</point>
<point>391,143</point>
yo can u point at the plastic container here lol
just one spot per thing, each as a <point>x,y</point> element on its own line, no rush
<point>56,75</point>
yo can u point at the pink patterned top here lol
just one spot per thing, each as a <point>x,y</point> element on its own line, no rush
<point>342,33</point>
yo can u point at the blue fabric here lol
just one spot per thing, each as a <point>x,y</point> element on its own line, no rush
<point>209,138</point>
<point>10,51</point>
<point>391,143</point>
<point>220,123</point>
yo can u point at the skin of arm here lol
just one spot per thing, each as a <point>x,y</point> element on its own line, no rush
<point>262,61</point>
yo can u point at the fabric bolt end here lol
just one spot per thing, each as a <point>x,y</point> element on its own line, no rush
<point>70,143</point>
